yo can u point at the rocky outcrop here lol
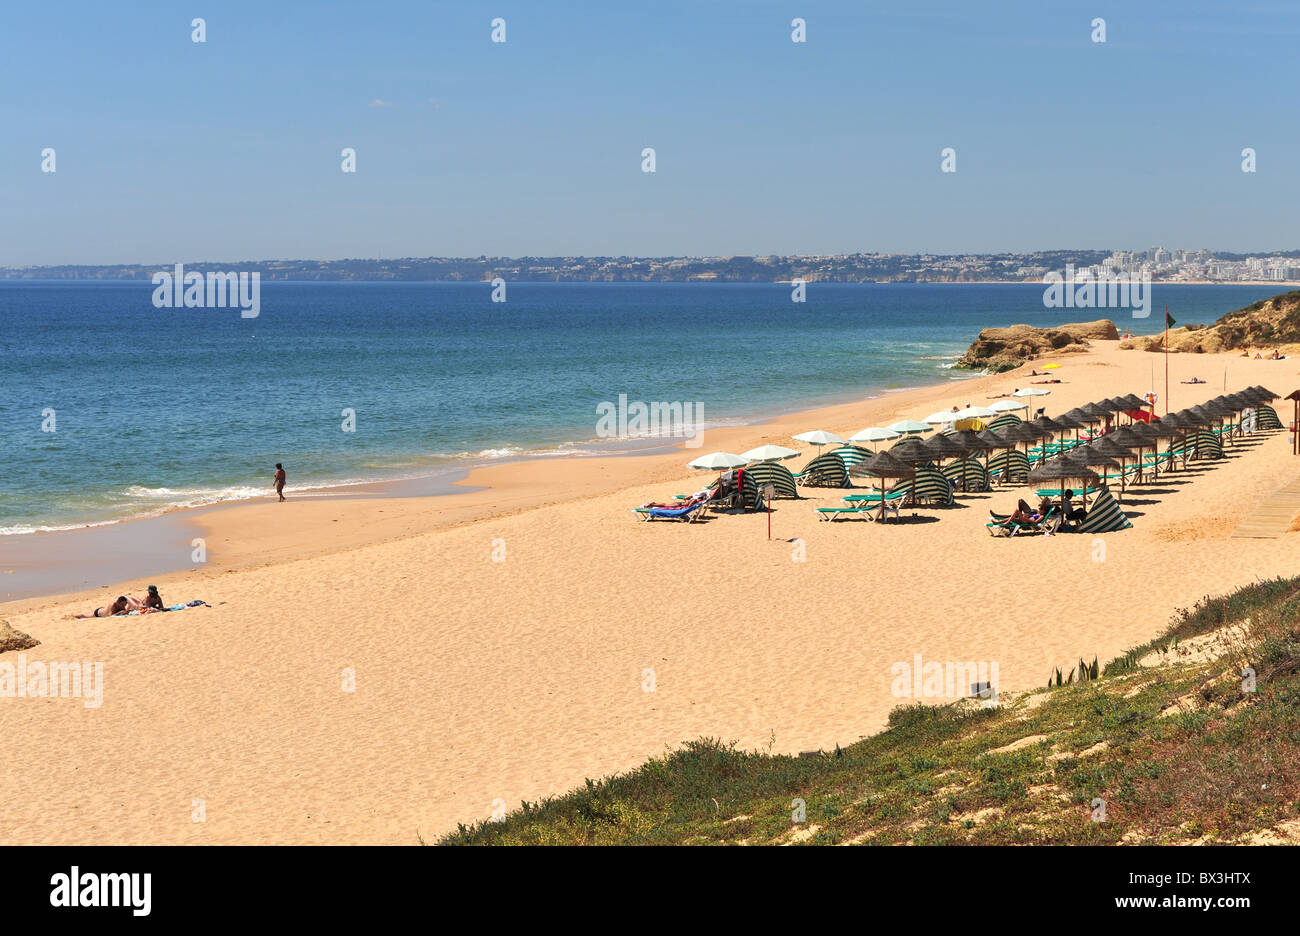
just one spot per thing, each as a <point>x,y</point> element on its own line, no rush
<point>1002,349</point>
<point>11,639</point>
<point>1265,324</point>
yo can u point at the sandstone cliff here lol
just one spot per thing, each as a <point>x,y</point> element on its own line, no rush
<point>1002,349</point>
<point>1266,324</point>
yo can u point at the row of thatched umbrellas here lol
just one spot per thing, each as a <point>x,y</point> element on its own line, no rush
<point>1131,440</point>
<point>1110,450</point>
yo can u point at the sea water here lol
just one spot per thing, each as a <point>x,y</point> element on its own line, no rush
<point>112,408</point>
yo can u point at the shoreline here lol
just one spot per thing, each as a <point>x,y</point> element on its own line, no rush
<point>52,547</point>
<point>463,495</point>
<point>499,639</point>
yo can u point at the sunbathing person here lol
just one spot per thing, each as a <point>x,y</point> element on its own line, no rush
<point>151,601</point>
<point>117,607</point>
<point>1024,514</point>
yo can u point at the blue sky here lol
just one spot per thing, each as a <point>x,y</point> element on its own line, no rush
<point>170,150</point>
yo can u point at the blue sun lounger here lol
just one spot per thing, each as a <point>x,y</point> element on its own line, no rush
<point>688,514</point>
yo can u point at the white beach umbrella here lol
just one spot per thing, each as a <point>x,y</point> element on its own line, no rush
<point>1031,392</point>
<point>944,416</point>
<point>975,412</point>
<point>874,434</point>
<point>1006,406</point>
<point>819,437</point>
<point>909,427</point>
<point>768,453</point>
<point>718,461</point>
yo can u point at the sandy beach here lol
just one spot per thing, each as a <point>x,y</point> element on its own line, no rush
<point>502,639</point>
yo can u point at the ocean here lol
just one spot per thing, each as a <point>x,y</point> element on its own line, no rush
<point>152,409</point>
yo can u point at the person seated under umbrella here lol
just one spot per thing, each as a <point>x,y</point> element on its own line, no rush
<point>1072,514</point>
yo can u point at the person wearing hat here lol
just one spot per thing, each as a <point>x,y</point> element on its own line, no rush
<point>151,601</point>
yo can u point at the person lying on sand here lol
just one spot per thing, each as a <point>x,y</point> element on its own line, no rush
<point>152,601</point>
<point>997,396</point>
<point>1053,380</point>
<point>118,607</point>
<point>1194,380</point>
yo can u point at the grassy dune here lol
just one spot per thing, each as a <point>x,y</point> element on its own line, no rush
<point>1168,736</point>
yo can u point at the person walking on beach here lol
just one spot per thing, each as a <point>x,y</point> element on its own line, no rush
<point>279,480</point>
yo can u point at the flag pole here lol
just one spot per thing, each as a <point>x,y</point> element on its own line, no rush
<point>1166,360</point>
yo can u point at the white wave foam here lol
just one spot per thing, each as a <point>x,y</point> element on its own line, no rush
<point>23,530</point>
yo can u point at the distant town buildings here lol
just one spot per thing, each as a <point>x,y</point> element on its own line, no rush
<point>1162,264</point>
<point>1176,266</point>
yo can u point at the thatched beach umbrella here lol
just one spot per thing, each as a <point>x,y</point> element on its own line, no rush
<point>1153,432</point>
<point>1026,433</point>
<point>1108,446</point>
<point>1085,419</point>
<point>911,447</point>
<point>1098,411</point>
<point>1072,423</point>
<point>996,440</point>
<point>1129,437</point>
<point>1050,424</point>
<point>972,441</point>
<point>1173,424</point>
<point>883,465</point>
<point>1221,411</point>
<point>942,446</point>
<point>1060,470</point>
<point>1090,457</point>
<point>1052,428</point>
<point>975,442</point>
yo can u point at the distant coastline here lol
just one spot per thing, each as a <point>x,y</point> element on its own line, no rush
<point>1201,267</point>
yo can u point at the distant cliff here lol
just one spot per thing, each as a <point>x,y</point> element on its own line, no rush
<point>1003,349</point>
<point>1265,324</point>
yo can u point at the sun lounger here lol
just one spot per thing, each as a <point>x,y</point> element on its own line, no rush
<point>1056,491</point>
<point>890,497</point>
<point>688,513</point>
<point>1002,524</point>
<point>840,513</point>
